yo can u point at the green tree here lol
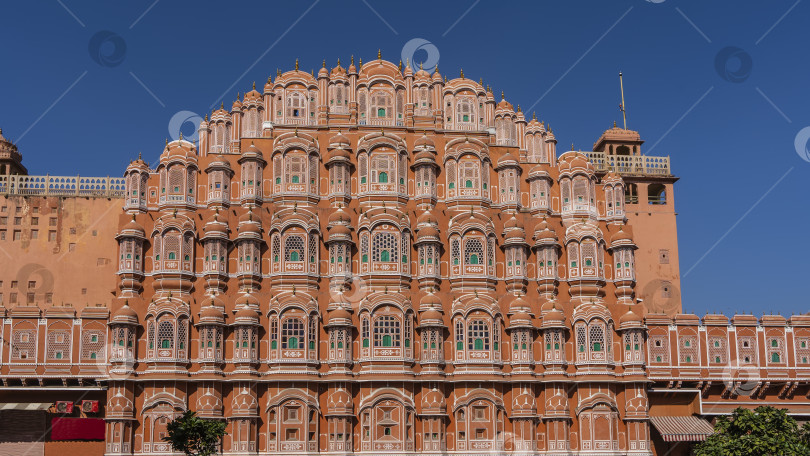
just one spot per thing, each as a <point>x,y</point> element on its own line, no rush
<point>195,436</point>
<point>765,431</point>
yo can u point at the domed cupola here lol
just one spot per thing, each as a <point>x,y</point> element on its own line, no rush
<point>219,173</point>
<point>623,249</point>
<point>136,179</point>
<point>248,246</point>
<point>339,242</point>
<point>123,328</point>
<point>130,267</point>
<point>521,330</point>
<point>614,188</point>
<point>428,246</point>
<point>339,328</point>
<point>252,164</point>
<point>339,165</point>
<point>431,329</point>
<point>10,157</point>
<point>178,174</point>
<point>515,250</point>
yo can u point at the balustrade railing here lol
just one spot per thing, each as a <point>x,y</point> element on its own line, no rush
<point>91,187</point>
<point>639,165</point>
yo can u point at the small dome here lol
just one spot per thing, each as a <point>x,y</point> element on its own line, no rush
<point>427,233</point>
<point>339,233</point>
<point>340,402</point>
<point>524,404</point>
<point>575,161</point>
<point>431,317</point>
<point>339,216</point>
<point>133,228</point>
<point>519,304</point>
<point>211,314</point>
<point>425,142</point>
<point>520,320</point>
<point>426,217</point>
<point>621,237</point>
<point>424,157</point>
<point>251,153</point>
<point>430,301</point>
<point>219,162</point>
<point>247,300</point>
<point>433,402</point>
<point>507,159</point>
<point>246,315</point>
<point>543,235</point>
<point>179,150</point>
<point>339,317</point>
<point>125,315</point>
<point>630,320</point>
<point>339,140</point>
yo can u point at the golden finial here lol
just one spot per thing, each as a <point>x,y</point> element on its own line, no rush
<point>174,213</point>
<point>518,108</point>
<point>445,79</point>
<point>462,73</point>
<point>382,131</point>
<point>481,82</point>
<point>293,290</point>
<point>324,63</point>
<point>614,124</point>
<point>408,62</point>
<point>312,72</point>
<point>167,142</point>
<point>534,115</point>
<point>296,64</point>
<point>572,146</point>
<point>437,68</point>
<point>254,85</point>
<point>269,80</point>
<point>352,59</point>
<point>338,62</point>
<point>139,155</point>
<point>502,97</point>
<point>400,65</point>
<point>181,136</point>
<point>221,105</point>
<point>379,54</point>
<point>296,131</point>
<point>360,61</point>
<point>238,94</point>
<point>420,66</point>
<point>206,117</point>
<point>278,71</point>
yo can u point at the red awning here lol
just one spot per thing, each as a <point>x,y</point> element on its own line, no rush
<point>682,428</point>
<point>77,429</point>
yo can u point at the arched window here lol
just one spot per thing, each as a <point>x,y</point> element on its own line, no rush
<point>478,335</point>
<point>292,333</point>
<point>656,194</point>
<point>294,248</point>
<point>473,250</point>
<point>165,335</point>
<point>386,331</point>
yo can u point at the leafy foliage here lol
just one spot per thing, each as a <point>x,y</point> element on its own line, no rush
<point>195,436</point>
<point>765,431</point>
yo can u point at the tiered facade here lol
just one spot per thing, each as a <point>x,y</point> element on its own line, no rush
<point>377,260</point>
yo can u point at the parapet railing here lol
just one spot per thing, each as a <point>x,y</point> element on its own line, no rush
<point>637,165</point>
<point>90,187</point>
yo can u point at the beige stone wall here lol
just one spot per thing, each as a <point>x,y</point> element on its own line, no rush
<point>64,247</point>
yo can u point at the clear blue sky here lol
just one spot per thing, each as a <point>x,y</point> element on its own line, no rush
<point>730,133</point>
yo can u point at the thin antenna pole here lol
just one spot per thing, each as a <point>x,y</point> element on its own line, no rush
<point>621,106</point>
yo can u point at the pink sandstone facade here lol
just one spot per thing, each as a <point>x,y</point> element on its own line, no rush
<point>378,260</point>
